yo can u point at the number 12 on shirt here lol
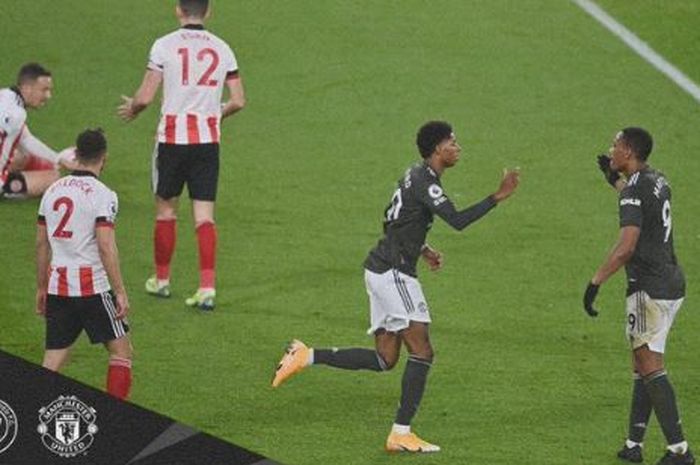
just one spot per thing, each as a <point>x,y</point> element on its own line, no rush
<point>205,54</point>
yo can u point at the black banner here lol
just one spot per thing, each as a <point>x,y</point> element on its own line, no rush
<point>47,418</point>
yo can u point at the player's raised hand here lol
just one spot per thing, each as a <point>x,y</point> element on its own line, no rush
<point>589,297</point>
<point>122,304</point>
<point>125,110</point>
<point>432,257</point>
<point>510,181</point>
<point>604,166</point>
<point>40,302</point>
<point>67,159</point>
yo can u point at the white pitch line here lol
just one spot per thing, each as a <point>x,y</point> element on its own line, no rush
<point>639,46</point>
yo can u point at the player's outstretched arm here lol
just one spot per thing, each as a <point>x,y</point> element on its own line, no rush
<point>107,246</point>
<point>132,106</point>
<point>620,254</point>
<point>463,218</point>
<point>43,259</point>
<point>31,144</point>
<point>236,100</point>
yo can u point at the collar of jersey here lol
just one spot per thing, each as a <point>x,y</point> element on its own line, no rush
<point>15,89</point>
<point>430,169</point>
<point>199,27</point>
<point>83,173</point>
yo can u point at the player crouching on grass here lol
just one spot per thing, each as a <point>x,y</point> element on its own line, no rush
<point>655,289</point>
<point>399,313</point>
<point>27,165</point>
<point>77,262</point>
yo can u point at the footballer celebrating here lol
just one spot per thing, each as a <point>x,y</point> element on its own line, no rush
<point>399,313</point>
<point>193,65</point>
<point>78,280</point>
<point>27,165</point>
<point>655,288</point>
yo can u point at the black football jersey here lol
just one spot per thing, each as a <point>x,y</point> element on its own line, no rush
<point>646,202</point>
<point>409,216</point>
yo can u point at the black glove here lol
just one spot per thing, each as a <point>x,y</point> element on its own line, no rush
<point>604,166</point>
<point>589,297</point>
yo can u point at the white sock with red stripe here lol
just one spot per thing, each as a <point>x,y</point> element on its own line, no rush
<point>119,377</point>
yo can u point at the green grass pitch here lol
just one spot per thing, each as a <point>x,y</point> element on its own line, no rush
<point>335,93</point>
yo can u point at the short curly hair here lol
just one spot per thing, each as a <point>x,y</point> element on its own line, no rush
<point>430,135</point>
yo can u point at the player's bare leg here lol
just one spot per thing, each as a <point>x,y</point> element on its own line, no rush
<point>164,236</point>
<point>27,184</point>
<point>119,372</point>
<point>203,213</point>
<point>401,439</point>
<point>298,356</point>
<point>39,181</point>
<point>650,365</point>
<point>55,359</point>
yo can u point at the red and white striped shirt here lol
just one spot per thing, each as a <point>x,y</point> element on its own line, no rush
<point>13,117</point>
<point>72,208</point>
<point>195,65</point>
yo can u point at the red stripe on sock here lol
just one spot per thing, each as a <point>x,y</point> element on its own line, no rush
<point>206,237</point>
<point>119,378</point>
<point>164,237</point>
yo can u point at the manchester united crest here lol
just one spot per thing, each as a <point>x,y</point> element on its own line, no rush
<point>67,426</point>
<point>8,426</point>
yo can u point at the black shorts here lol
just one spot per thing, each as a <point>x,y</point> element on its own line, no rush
<point>197,165</point>
<point>66,317</point>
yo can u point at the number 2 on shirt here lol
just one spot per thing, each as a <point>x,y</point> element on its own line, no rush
<point>207,54</point>
<point>61,232</point>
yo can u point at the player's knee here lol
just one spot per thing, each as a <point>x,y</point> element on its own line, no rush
<point>387,361</point>
<point>122,350</point>
<point>423,353</point>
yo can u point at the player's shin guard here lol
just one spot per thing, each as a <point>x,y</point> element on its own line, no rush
<point>350,359</point>
<point>164,245</point>
<point>412,388</point>
<point>206,237</point>
<point>119,377</point>
<point>664,401</point>
<point>640,410</point>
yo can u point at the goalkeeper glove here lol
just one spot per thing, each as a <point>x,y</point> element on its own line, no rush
<point>604,166</point>
<point>589,298</point>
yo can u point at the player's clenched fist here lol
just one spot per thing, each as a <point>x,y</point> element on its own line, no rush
<point>510,181</point>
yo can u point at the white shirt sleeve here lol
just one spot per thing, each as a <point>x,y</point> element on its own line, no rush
<point>156,58</point>
<point>34,146</point>
<point>231,64</point>
<point>107,207</point>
